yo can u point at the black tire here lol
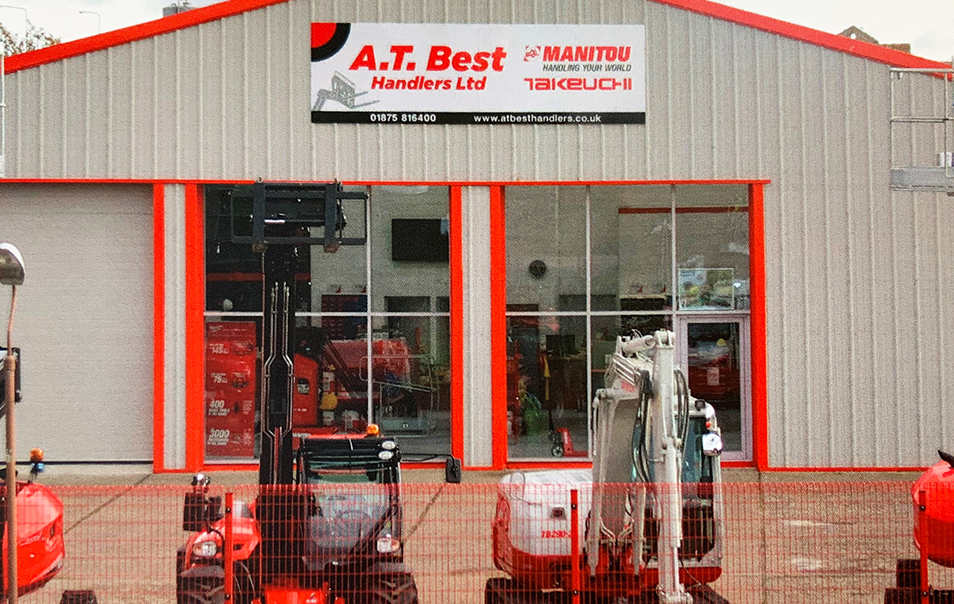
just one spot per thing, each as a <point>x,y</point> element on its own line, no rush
<point>557,450</point>
<point>200,590</point>
<point>703,594</point>
<point>81,596</point>
<point>499,591</point>
<point>180,560</point>
<point>205,589</point>
<point>386,589</point>
<point>894,595</point>
<point>908,573</point>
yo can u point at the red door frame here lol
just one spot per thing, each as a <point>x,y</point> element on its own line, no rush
<point>158,326</point>
<point>195,321</point>
<point>195,332</point>
<point>756,319</point>
<point>195,326</point>
<point>195,315</point>
<point>757,341</point>
<point>195,296</point>
<point>457,322</point>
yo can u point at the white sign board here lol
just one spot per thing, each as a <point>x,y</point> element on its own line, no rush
<point>477,74</point>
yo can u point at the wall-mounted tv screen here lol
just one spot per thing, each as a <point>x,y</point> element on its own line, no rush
<point>419,240</point>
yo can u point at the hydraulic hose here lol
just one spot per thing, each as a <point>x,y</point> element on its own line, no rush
<point>641,448</point>
<point>682,416</point>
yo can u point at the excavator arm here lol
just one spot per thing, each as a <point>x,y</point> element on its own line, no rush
<point>641,422</point>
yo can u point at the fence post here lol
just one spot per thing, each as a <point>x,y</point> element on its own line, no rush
<point>923,541</point>
<point>228,550</point>
<point>575,545</point>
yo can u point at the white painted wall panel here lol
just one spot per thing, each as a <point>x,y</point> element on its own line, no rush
<point>174,336</point>
<point>83,320</point>
<point>478,385</point>
<point>857,320</point>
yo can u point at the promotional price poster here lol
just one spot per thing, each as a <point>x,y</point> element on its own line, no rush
<point>403,73</point>
<point>230,376</point>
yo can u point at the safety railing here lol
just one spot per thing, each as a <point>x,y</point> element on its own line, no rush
<point>475,543</point>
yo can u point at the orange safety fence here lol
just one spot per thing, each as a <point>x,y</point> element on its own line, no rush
<point>784,542</point>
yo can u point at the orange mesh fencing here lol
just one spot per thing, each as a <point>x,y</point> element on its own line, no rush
<point>796,542</point>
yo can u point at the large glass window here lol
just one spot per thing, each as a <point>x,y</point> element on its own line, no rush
<point>546,321</point>
<point>712,247</point>
<point>588,264</point>
<point>372,324</point>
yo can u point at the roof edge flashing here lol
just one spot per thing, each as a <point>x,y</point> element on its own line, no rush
<point>133,33</point>
<point>800,33</point>
<point>221,10</point>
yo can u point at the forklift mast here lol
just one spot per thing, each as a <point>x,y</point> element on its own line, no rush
<point>286,216</point>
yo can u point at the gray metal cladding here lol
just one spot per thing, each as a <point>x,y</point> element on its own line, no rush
<point>858,326</point>
<point>229,99</point>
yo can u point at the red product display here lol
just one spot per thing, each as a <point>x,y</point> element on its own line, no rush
<point>230,378</point>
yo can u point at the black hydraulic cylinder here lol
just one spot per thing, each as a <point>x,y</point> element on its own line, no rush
<point>278,368</point>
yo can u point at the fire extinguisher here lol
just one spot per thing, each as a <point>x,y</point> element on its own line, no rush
<point>329,397</point>
<point>328,381</point>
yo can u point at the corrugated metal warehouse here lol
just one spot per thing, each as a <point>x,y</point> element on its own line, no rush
<point>775,195</point>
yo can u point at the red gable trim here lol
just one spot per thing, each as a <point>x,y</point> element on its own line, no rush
<point>126,35</point>
<point>229,8</point>
<point>894,58</point>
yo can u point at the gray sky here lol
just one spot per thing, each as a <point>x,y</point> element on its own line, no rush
<point>928,25</point>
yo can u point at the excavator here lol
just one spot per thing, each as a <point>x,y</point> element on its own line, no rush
<point>649,518</point>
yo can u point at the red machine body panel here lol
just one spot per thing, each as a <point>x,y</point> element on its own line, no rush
<point>291,595</point>
<point>938,483</point>
<point>41,549</point>
<point>545,570</point>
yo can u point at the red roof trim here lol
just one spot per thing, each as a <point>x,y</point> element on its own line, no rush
<point>133,33</point>
<point>229,8</point>
<point>857,48</point>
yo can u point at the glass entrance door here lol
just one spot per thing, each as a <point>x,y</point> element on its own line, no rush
<point>714,351</point>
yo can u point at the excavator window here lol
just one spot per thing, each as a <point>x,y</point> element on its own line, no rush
<point>317,473</point>
<point>696,467</point>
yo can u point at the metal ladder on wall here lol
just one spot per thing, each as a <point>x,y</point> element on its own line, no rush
<point>938,178</point>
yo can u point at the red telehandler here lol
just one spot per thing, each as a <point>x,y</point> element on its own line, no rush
<point>326,524</point>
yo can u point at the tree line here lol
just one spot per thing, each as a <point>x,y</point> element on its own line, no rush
<point>35,37</point>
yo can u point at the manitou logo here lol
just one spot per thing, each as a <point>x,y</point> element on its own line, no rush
<point>587,54</point>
